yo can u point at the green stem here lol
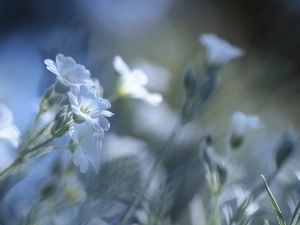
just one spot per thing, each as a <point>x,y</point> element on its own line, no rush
<point>23,156</point>
<point>215,211</point>
<point>46,150</point>
<point>40,145</point>
<point>31,138</point>
<point>12,166</point>
<point>33,127</point>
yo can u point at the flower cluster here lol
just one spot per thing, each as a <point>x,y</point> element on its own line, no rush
<point>88,111</point>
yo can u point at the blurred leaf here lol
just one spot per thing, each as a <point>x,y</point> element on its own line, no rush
<point>274,203</point>
<point>7,184</point>
<point>296,216</point>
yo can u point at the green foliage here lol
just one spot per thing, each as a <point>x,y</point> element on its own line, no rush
<point>274,203</point>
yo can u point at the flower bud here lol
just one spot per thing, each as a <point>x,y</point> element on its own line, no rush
<point>208,86</point>
<point>189,82</point>
<point>241,125</point>
<point>48,190</point>
<point>285,147</point>
<point>188,110</point>
<point>49,99</point>
<point>62,122</point>
<point>61,112</point>
<point>216,170</point>
<point>222,172</point>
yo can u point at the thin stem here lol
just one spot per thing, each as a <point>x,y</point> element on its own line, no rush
<point>33,127</point>
<point>40,145</point>
<point>23,156</point>
<point>46,150</point>
<point>215,220</point>
<point>38,134</point>
<point>12,166</point>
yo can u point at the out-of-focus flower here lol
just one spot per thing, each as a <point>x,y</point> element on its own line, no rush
<point>241,124</point>
<point>132,82</point>
<point>218,51</point>
<point>8,131</point>
<point>68,73</point>
<point>88,106</point>
<point>74,190</point>
<point>86,144</point>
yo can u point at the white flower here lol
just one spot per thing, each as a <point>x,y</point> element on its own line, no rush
<point>8,131</point>
<point>88,106</point>
<point>241,125</point>
<point>68,72</point>
<point>73,189</point>
<point>88,144</point>
<point>132,82</point>
<point>218,51</point>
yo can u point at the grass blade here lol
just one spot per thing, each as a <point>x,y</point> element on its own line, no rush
<point>296,216</point>
<point>274,203</point>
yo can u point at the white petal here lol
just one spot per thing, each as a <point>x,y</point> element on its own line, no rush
<point>104,123</point>
<point>95,124</point>
<point>51,66</point>
<point>6,116</point>
<point>254,122</point>
<point>120,66</point>
<point>12,135</point>
<point>84,165</point>
<point>219,51</point>
<point>73,134</point>
<point>241,124</point>
<point>107,113</point>
<point>154,99</point>
<point>65,64</point>
<point>78,156</point>
<point>105,104</point>
<point>139,76</point>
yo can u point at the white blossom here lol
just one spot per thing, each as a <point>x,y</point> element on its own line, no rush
<point>218,51</point>
<point>132,82</point>
<point>68,72</point>
<point>241,125</point>
<point>8,131</point>
<point>88,145</point>
<point>88,106</point>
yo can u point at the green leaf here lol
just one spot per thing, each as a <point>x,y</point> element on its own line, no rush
<point>274,203</point>
<point>296,216</point>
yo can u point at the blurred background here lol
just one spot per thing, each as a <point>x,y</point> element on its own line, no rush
<point>161,37</point>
